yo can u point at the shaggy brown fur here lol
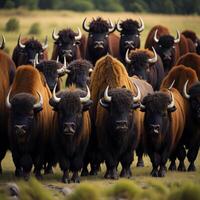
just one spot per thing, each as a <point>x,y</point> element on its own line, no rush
<point>99,25</point>
<point>190,34</point>
<point>129,26</point>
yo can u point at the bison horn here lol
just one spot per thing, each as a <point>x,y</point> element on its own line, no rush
<point>141,28</point>
<point>78,37</point>
<point>142,106</point>
<point>138,97</point>
<point>57,60</point>
<point>36,61</point>
<point>155,36</point>
<point>187,96</point>
<point>90,70</point>
<point>127,59</point>
<point>170,87</point>
<point>45,45</point>
<point>64,69</point>
<point>171,105</point>
<point>55,36</point>
<point>55,98</point>
<point>8,104</point>
<point>87,97</point>
<point>178,37</point>
<point>106,97</point>
<point>112,27</point>
<point>2,46</point>
<point>118,26</point>
<point>85,27</point>
<point>19,42</point>
<point>40,103</point>
<point>155,58</point>
<point>65,65</point>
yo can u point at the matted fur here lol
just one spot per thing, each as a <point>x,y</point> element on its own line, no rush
<point>129,26</point>
<point>99,25</point>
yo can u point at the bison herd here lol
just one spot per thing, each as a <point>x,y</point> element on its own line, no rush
<point>117,99</point>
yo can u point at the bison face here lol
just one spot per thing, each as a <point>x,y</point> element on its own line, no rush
<point>70,106</point>
<point>23,108</point>
<point>120,105</point>
<point>157,108</point>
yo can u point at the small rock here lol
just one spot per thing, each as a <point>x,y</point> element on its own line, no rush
<point>66,191</point>
<point>13,189</point>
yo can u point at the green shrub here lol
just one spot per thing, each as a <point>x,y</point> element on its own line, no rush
<point>77,5</point>
<point>109,5</point>
<point>12,25</point>
<point>35,29</point>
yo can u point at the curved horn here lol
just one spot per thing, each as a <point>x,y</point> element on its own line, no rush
<point>19,42</point>
<point>40,103</point>
<point>45,45</point>
<point>155,36</point>
<point>186,95</point>
<point>87,97</point>
<point>90,70</point>
<point>142,106</point>
<point>112,26</point>
<point>36,61</point>
<point>78,37</point>
<point>55,98</point>
<point>178,37</point>
<point>138,97</point>
<point>57,59</point>
<point>171,105</point>
<point>171,86</point>
<point>127,59</point>
<point>106,97</point>
<point>84,26</point>
<point>8,104</point>
<point>66,65</point>
<point>155,58</point>
<point>55,36</point>
<point>141,28</point>
<point>118,26</point>
<point>2,46</point>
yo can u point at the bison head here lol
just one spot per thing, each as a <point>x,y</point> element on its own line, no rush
<point>157,108</point>
<point>66,44</point>
<point>130,35</point>
<point>29,49</point>
<point>99,30</point>
<point>23,109</point>
<point>52,71</point>
<point>194,98</point>
<point>79,73</point>
<point>139,63</point>
<point>165,47</point>
<point>70,105</point>
<point>120,104</point>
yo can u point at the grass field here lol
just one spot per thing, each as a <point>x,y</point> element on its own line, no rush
<point>61,19</point>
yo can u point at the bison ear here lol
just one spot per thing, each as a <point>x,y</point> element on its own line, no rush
<point>86,106</point>
<point>135,106</point>
<point>172,109</point>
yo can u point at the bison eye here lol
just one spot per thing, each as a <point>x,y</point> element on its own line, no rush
<point>160,46</point>
<point>91,35</point>
<point>136,35</point>
<point>173,47</point>
<point>122,35</point>
<point>106,35</point>
<point>74,44</point>
<point>41,53</point>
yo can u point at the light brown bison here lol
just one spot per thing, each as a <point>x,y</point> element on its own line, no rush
<point>30,121</point>
<point>7,72</point>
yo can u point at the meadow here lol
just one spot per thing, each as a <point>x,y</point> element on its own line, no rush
<point>49,20</point>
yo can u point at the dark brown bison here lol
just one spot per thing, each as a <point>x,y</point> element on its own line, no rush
<point>68,44</point>
<point>164,122</point>
<point>72,129</point>
<point>129,36</point>
<point>109,71</point>
<point>184,78</point>
<point>26,50</point>
<point>79,72</point>
<point>30,121</point>
<point>7,72</point>
<point>146,65</point>
<point>100,41</point>
<point>191,60</point>
<point>165,45</point>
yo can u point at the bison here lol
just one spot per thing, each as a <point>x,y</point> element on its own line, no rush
<point>146,65</point>
<point>100,40</point>
<point>68,44</point>
<point>26,50</point>
<point>164,124</point>
<point>165,45</point>
<point>30,122</point>
<point>72,129</point>
<point>130,36</point>
<point>7,72</point>
<point>79,72</point>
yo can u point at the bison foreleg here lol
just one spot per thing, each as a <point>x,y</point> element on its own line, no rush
<point>155,160</point>
<point>65,177</point>
<point>139,153</point>
<point>192,155</point>
<point>181,154</point>
<point>75,177</point>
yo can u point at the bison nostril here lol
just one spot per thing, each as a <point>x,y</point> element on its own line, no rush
<point>69,127</point>
<point>121,124</point>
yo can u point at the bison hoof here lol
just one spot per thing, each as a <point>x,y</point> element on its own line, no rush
<point>114,175</point>
<point>38,176</point>
<point>162,173</point>
<point>84,172</point>
<point>48,171</point>
<point>172,167</point>
<point>191,167</point>
<point>154,173</point>
<point>26,176</point>
<point>126,173</point>
<point>75,179</point>
<point>181,167</point>
<point>140,163</point>
<point>65,179</point>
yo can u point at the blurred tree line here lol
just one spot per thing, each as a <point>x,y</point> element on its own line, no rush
<point>155,6</point>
